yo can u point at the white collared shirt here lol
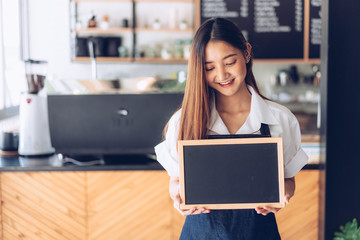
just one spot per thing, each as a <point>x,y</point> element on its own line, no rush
<point>281,121</point>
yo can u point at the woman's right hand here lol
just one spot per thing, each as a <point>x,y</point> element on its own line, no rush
<point>174,190</point>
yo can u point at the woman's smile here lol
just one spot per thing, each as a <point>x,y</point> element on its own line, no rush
<point>227,84</point>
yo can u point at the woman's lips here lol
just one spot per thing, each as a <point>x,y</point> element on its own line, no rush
<point>228,83</point>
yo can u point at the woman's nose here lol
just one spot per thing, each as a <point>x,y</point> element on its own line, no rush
<point>221,74</point>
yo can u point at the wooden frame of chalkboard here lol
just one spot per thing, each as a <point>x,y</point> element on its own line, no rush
<point>239,173</point>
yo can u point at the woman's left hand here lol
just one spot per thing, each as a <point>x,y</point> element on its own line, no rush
<point>289,192</point>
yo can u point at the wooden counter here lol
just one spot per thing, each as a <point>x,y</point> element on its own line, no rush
<point>120,205</point>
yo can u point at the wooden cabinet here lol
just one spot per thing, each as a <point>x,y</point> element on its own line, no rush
<point>43,205</point>
<point>128,205</point>
<point>86,205</point>
<point>120,205</point>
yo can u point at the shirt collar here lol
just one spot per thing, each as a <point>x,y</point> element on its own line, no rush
<point>259,113</point>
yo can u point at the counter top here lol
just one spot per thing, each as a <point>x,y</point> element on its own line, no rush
<point>55,163</point>
<point>11,162</point>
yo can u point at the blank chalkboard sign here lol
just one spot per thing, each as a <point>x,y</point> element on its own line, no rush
<point>231,173</point>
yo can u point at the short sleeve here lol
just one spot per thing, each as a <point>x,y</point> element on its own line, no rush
<point>294,156</point>
<point>166,152</point>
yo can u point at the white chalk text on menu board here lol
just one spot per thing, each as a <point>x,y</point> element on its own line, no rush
<point>315,29</point>
<point>273,27</point>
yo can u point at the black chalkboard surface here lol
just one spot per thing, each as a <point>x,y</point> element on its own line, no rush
<point>231,173</point>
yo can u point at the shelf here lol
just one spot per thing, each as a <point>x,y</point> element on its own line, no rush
<point>160,60</point>
<point>102,59</point>
<point>77,1</point>
<point>134,33</point>
<point>191,1</point>
<point>166,30</point>
<point>129,59</point>
<point>130,30</point>
<point>104,31</point>
<point>289,61</point>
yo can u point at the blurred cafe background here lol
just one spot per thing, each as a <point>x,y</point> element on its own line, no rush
<point>78,163</point>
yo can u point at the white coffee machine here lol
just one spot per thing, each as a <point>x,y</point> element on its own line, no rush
<point>34,133</point>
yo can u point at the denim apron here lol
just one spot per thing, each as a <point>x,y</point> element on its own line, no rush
<point>236,224</point>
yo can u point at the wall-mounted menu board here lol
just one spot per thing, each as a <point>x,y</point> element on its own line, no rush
<point>275,28</point>
<point>315,29</point>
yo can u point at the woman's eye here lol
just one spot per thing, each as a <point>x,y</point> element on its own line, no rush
<point>232,63</point>
<point>208,69</point>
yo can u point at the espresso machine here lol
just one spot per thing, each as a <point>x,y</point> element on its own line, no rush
<point>34,133</point>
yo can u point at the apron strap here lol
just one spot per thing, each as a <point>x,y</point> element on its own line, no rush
<point>265,130</point>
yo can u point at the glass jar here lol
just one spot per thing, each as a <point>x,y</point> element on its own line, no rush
<point>123,51</point>
<point>166,51</point>
<point>178,49</point>
<point>187,48</point>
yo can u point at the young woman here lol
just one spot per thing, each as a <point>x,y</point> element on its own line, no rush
<point>221,97</point>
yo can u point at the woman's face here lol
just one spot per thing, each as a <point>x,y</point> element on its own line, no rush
<point>225,67</point>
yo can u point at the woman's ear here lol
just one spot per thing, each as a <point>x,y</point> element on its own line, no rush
<point>247,52</point>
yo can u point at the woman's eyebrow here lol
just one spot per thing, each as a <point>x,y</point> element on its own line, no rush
<point>230,55</point>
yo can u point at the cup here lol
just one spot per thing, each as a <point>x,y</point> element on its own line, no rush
<point>125,23</point>
<point>9,141</point>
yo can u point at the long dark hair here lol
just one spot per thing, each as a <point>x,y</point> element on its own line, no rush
<point>195,115</point>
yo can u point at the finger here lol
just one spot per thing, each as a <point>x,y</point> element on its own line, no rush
<point>261,211</point>
<point>187,212</point>
<point>194,211</point>
<point>201,210</point>
<point>273,210</point>
<point>266,210</point>
<point>197,211</point>
<point>258,210</point>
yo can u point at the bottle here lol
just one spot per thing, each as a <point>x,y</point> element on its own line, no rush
<point>104,24</point>
<point>173,18</point>
<point>92,22</point>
